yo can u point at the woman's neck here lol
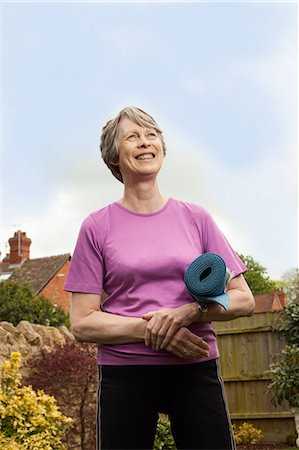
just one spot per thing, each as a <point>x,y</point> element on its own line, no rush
<point>143,198</point>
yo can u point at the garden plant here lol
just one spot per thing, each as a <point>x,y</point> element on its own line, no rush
<point>29,420</point>
<point>285,373</point>
<point>19,302</point>
<point>69,373</point>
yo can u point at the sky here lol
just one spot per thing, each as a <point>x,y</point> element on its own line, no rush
<point>220,78</point>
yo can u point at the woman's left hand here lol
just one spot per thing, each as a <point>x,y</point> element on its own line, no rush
<point>165,322</point>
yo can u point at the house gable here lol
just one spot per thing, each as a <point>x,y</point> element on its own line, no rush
<point>46,276</point>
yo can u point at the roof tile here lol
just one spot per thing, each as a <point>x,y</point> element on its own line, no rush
<point>40,271</point>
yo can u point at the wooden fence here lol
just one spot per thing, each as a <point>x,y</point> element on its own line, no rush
<point>247,348</point>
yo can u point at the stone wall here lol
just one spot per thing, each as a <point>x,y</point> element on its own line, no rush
<point>29,339</point>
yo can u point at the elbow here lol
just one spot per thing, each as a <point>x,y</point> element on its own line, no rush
<point>250,307</point>
<point>77,330</point>
<point>83,331</point>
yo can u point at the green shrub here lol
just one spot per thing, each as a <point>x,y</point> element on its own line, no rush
<point>288,324</point>
<point>285,374</point>
<point>18,302</point>
<point>257,276</point>
<point>291,439</point>
<point>285,377</point>
<point>163,438</point>
<point>29,420</point>
<point>246,433</point>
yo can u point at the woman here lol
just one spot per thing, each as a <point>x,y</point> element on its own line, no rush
<point>157,350</point>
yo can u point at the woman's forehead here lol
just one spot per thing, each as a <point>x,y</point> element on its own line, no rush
<point>126,124</point>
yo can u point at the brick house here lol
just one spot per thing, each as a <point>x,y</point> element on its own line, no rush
<point>46,275</point>
<point>272,301</point>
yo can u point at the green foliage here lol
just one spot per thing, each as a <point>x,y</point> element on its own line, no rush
<point>18,302</point>
<point>246,433</point>
<point>285,381</point>
<point>256,276</point>
<point>291,439</point>
<point>70,374</point>
<point>163,438</point>
<point>290,281</point>
<point>29,420</point>
<point>288,323</point>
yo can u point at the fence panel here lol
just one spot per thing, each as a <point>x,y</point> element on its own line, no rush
<point>247,348</point>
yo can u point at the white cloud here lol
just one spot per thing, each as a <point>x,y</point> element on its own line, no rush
<point>276,73</point>
<point>254,206</point>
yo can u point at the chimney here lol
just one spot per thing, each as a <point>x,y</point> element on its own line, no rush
<point>282,298</point>
<point>19,248</point>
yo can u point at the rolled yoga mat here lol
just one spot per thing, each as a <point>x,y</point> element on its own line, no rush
<point>206,279</point>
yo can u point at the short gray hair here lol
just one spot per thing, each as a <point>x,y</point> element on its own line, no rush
<point>108,146</point>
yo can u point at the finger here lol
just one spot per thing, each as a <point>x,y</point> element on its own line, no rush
<point>184,335</point>
<point>183,352</point>
<point>166,331</point>
<point>198,341</point>
<point>193,350</point>
<point>175,351</point>
<point>189,344</point>
<point>151,331</point>
<point>148,315</point>
<point>158,332</point>
<point>148,332</point>
<point>196,350</point>
<point>147,337</point>
<point>169,335</point>
<point>187,353</point>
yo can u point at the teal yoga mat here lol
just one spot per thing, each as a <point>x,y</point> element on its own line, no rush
<point>206,279</point>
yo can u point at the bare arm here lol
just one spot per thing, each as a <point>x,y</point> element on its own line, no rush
<point>164,323</point>
<point>241,302</point>
<point>90,324</point>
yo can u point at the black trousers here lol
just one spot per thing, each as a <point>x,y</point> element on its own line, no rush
<point>130,398</point>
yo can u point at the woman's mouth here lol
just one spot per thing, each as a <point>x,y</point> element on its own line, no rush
<point>145,156</point>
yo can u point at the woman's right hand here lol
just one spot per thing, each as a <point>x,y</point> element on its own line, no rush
<point>188,345</point>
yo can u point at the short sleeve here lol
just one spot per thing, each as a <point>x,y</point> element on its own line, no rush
<point>214,241</point>
<point>86,271</point>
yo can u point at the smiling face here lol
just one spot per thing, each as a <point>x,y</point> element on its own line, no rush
<point>140,150</point>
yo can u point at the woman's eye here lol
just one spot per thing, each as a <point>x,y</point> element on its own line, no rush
<point>132,137</point>
<point>152,135</point>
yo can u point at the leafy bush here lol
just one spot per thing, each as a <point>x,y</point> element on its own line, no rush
<point>69,373</point>
<point>163,438</point>
<point>291,439</point>
<point>29,420</point>
<point>285,381</point>
<point>246,433</point>
<point>18,302</point>
<point>290,284</point>
<point>288,323</point>
<point>285,374</point>
<point>256,276</point>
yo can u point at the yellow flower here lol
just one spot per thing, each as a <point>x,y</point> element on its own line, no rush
<point>29,420</point>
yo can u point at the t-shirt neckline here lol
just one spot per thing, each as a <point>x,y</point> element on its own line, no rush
<point>154,213</point>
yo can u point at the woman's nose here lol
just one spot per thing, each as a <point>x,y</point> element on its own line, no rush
<point>143,141</point>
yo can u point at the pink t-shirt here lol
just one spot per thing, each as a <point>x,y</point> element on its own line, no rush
<point>140,260</point>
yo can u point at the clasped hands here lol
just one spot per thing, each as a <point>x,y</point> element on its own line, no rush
<point>167,329</point>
